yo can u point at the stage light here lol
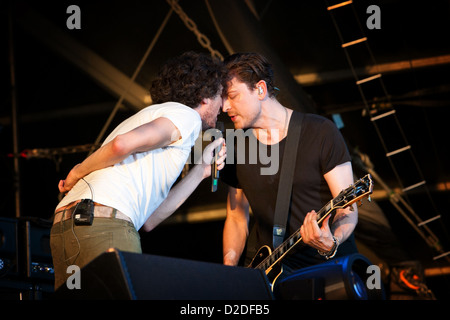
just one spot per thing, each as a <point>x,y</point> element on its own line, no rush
<point>352,277</point>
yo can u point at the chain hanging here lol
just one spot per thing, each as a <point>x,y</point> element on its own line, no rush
<point>190,24</point>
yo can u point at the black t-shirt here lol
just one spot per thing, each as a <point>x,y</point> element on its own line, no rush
<point>321,148</point>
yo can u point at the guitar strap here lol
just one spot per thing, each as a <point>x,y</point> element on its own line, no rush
<point>286,177</point>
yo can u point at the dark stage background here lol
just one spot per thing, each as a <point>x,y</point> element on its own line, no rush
<point>67,82</point>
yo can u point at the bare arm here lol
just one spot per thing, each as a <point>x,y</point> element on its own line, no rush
<point>235,230</point>
<point>341,177</point>
<point>153,135</point>
<point>345,220</point>
<point>183,189</point>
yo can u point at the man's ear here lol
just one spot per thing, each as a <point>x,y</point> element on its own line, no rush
<point>262,88</point>
<point>205,101</point>
<point>202,103</point>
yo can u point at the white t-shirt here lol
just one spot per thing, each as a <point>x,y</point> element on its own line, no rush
<point>137,185</point>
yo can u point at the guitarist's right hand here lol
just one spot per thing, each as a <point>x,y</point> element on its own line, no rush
<point>317,237</point>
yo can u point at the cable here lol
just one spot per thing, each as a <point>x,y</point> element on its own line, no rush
<point>73,227</point>
<point>90,188</point>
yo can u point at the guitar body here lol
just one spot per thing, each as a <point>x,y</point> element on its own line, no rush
<point>274,271</point>
<point>262,253</point>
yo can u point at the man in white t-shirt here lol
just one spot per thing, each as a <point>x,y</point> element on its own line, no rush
<point>124,185</point>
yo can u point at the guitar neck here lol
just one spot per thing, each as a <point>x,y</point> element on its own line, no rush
<point>294,239</point>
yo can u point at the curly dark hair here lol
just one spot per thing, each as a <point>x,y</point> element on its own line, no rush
<point>251,67</point>
<point>188,79</point>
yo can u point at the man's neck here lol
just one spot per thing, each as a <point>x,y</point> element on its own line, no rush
<point>273,123</point>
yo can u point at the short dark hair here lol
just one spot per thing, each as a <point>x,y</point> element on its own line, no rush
<point>188,79</point>
<point>250,68</point>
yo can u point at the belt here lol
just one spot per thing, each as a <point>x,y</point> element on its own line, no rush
<point>100,211</point>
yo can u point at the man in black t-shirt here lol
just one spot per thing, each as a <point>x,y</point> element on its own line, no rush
<point>323,168</point>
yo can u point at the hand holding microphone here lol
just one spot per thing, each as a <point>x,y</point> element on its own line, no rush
<point>214,167</point>
<point>215,154</point>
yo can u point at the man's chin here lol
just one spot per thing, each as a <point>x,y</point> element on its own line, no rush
<point>206,126</point>
<point>237,126</point>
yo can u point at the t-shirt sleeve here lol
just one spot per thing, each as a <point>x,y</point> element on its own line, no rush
<point>186,120</point>
<point>334,150</point>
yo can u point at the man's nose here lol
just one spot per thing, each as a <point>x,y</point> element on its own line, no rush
<point>225,105</point>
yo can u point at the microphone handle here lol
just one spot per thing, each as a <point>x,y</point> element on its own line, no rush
<point>214,171</point>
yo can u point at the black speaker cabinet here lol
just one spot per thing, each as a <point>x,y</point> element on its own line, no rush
<point>122,275</point>
<point>8,247</point>
<point>35,244</point>
<point>26,269</point>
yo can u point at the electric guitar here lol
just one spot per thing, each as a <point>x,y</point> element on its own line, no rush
<point>269,261</point>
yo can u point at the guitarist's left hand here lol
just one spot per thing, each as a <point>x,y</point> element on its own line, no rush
<point>317,237</point>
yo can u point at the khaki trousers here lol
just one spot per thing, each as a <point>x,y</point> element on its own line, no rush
<point>78,245</point>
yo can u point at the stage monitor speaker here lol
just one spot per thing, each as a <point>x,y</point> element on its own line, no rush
<point>122,275</point>
<point>8,247</point>
<point>37,258</point>
<point>343,278</point>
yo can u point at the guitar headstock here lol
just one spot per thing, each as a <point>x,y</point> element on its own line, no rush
<point>356,192</point>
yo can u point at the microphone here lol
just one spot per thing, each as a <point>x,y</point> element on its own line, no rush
<point>214,172</point>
